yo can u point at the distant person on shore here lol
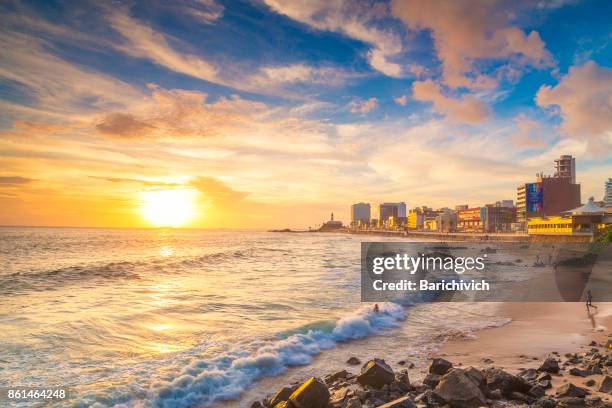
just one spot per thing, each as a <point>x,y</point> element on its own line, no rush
<point>589,302</point>
<point>376,309</point>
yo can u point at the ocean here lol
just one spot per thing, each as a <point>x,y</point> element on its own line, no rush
<point>182,318</point>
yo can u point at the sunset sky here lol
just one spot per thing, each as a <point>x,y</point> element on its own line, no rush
<point>274,113</point>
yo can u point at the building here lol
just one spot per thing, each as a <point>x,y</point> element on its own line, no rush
<point>331,224</point>
<point>549,195</point>
<point>505,203</point>
<point>461,207</point>
<point>469,220</point>
<point>446,221</point>
<point>497,218</point>
<point>360,215</point>
<point>586,220</point>
<point>565,167</point>
<point>419,215</point>
<point>395,210</point>
<point>608,194</point>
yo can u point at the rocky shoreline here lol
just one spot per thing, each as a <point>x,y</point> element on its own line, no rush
<point>452,385</point>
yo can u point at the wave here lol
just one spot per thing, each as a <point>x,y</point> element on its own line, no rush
<point>204,382</point>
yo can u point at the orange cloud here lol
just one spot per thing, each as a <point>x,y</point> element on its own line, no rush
<point>465,31</point>
<point>465,109</point>
<point>364,106</point>
<point>583,99</point>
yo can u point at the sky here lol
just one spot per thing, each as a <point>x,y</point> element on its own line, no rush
<point>274,113</point>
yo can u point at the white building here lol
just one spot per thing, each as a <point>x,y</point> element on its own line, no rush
<point>360,212</point>
<point>608,193</point>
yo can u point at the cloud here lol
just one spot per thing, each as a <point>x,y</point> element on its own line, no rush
<point>123,125</point>
<point>401,100</point>
<point>353,19</point>
<point>216,191</point>
<point>528,133</point>
<point>462,109</point>
<point>14,180</point>
<point>467,31</point>
<point>583,99</point>
<point>364,106</point>
<point>147,183</point>
<point>177,113</point>
<point>299,73</point>
<point>144,42</point>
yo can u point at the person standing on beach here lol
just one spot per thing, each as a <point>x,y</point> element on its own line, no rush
<point>589,302</point>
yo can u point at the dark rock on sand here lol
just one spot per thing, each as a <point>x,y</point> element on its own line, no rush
<point>505,382</point>
<point>312,394</point>
<point>338,375</point>
<point>570,390</point>
<point>440,366</point>
<point>353,361</point>
<point>537,391</point>
<point>257,404</point>
<point>376,373</point>
<point>579,372</point>
<point>590,383</point>
<point>459,390</point>
<point>606,385</point>
<point>546,384</point>
<point>402,381</point>
<point>546,402</point>
<point>431,380</point>
<point>529,375</point>
<point>550,365</point>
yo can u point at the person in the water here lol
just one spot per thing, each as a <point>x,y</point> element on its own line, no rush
<point>376,309</point>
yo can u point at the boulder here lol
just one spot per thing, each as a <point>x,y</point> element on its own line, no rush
<point>543,377</point>
<point>339,395</point>
<point>505,382</point>
<point>579,372</point>
<point>338,375</point>
<point>529,375</point>
<point>312,394</point>
<point>590,383</point>
<point>570,390</point>
<point>282,395</point>
<point>353,361</point>
<point>403,402</point>
<point>431,380</point>
<point>519,396</point>
<point>546,402</point>
<point>402,381</point>
<point>606,385</point>
<point>257,404</point>
<point>375,373</point>
<point>537,391</point>
<point>440,366</point>
<point>353,402</point>
<point>550,365</point>
<point>458,390</point>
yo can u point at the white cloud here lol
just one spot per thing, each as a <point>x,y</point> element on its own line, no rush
<point>364,106</point>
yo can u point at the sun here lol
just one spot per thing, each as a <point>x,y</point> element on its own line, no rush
<point>169,208</point>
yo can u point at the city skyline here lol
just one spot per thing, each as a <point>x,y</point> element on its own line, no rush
<point>263,114</point>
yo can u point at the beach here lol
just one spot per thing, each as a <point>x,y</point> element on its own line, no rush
<point>537,334</point>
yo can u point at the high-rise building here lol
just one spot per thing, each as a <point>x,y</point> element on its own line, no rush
<point>360,214</point>
<point>497,218</point>
<point>549,195</point>
<point>608,193</point>
<point>395,210</point>
<point>565,167</point>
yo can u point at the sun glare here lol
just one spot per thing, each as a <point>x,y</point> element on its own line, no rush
<point>169,208</point>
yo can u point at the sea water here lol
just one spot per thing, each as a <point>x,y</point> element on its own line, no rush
<point>182,318</point>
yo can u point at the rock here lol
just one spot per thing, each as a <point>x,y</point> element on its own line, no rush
<point>550,365</point>
<point>537,391</point>
<point>571,402</point>
<point>411,365</point>
<point>546,384</point>
<point>488,361</point>
<point>312,394</point>
<point>440,366</point>
<point>578,372</point>
<point>282,395</point>
<point>546,402</point>
<point>593,343</point>
<point>570,390</point>
<point>337,376</point>
<point>402,381</point>
<point>375,373</point>
<point>403,402</point>
<point>529,375</point>
<point>496,394</point>
<point>401,362</point>
<point>590,383</point>
<point>353,402</point>
<point>353,361</point>
<point>543,377</point>
<point>339,395</point>
<point>431,380</point>
<point>505,382</point>
<point>257,404</point>
<point>606,385</point>
<point>458,390</point>
<point>519,396</point>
